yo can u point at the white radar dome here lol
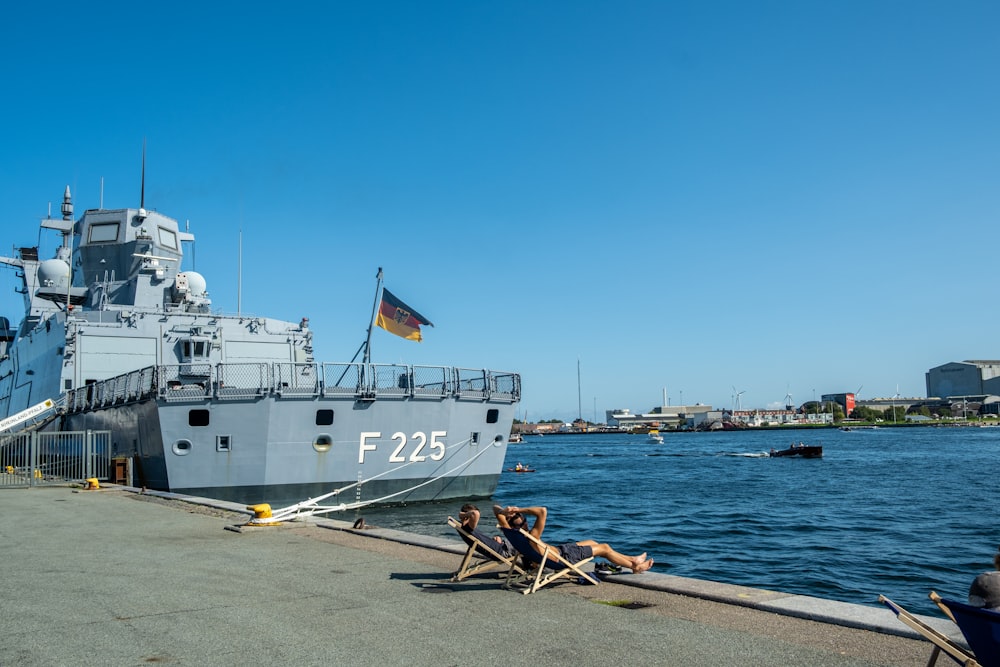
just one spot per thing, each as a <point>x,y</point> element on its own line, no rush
<point>195,282</point>
<point>53,273</point>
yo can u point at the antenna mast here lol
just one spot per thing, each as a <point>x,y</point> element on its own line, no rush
<point>239,275</point>
<point>142,186</point>
<point>579,395</point>
<point>371,323</point>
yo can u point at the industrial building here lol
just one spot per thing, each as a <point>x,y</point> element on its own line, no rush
<point>964,378</point>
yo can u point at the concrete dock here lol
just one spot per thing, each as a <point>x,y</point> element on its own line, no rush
<point>114,577</point>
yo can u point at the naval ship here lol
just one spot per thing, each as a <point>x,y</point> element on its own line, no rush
<point>231,406</point>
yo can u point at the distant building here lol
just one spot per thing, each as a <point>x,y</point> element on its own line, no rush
<point>664,416</point>
<point>611,417</point>
<point>964,378</point>
<point>758,418</point>
<point>846,401</point>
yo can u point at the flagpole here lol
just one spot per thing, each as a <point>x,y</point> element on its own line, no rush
<point>371,323</point>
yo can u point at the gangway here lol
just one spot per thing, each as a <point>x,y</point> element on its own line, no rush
<point>33,412</point>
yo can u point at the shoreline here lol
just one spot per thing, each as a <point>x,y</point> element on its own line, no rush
<point>126,577</point>
<point>849,615</point>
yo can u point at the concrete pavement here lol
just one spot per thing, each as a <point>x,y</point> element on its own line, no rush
<point>112,577</point>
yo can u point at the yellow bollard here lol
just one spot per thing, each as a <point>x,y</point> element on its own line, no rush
<point>261,511</point>
<point>38,473</point>
<point>92,484</point>
<point>10,470</point>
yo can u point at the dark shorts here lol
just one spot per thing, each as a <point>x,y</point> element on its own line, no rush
<point>574,552</point>
<point>502,547</point>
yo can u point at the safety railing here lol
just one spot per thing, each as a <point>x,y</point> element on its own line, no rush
<point>39,458</point>
<point>249,381</point>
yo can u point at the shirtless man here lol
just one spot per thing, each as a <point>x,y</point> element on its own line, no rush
<point>469,516</point>
<point>513,517</point>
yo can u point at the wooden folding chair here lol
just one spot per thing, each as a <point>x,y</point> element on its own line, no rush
<point>481,556</point>
<point>559,568</point>
<point>941,642</point>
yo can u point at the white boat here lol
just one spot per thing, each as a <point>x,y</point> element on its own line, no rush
<point>655,437</point>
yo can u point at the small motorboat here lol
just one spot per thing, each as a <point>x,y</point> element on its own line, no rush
<point>803,450</point>
<point>521,468</point>
<point>655,437</point>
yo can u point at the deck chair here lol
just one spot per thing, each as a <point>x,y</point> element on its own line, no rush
<point>551,560</point>
<point>482,556</point>
<point>941,641</point>
<point>980,627</point>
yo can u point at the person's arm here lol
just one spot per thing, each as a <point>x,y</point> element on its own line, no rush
<point>540,513</point>
<point>501,515</point>
<point>469,519</point>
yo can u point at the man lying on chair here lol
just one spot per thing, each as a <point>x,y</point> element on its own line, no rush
<point>513,517</point>
<point>469,516</point>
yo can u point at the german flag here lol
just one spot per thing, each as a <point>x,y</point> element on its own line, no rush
<point>396,317</point>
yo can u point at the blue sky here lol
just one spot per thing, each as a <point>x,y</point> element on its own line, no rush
<point>777,197</point>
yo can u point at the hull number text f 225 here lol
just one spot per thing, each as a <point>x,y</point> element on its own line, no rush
<point>417,446</point>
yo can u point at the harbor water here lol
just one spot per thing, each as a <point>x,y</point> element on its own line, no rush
<point>898,511</point>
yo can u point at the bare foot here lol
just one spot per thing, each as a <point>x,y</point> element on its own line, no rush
<point>643,566</point>
<point>640,558</point>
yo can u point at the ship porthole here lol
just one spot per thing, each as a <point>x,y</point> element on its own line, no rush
<point>182,447</point>
<point>322,443</point>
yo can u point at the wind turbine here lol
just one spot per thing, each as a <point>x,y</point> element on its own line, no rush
<point>737,399</point>
<point>788,402</point>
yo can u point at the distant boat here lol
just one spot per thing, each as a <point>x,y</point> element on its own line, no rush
<point>521,468</point>
<point>655,437</point>
<point>801,450</point>
<point>514,439</point>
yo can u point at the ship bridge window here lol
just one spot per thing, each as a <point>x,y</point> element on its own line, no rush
<point>492,416</point>
<point>104,233</point>
<point>168,239</point>
<point>324,417</point>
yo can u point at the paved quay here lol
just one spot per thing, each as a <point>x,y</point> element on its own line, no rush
<point>114,577</point>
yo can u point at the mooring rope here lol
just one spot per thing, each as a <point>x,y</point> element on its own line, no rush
<point>310,507</point>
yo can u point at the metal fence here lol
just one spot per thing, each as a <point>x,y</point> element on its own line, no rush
<point>37,459</point>
<point>248,381</point>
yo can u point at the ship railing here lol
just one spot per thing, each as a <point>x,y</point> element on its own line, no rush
<point>391,380</point>
<point>238,381</point>
<point>505,387</point>
<point>472,384</point>
<point>242,381</point>
<point>343,379</point>
<point>431,381</point>
<point>292,379</point>
<point>184,382</point>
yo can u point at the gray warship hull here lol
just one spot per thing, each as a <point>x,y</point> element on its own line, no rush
<point>233,406</point>
<point>262,443</point>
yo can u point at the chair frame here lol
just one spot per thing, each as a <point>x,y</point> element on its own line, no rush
<point>980,627</point>
<point>941,642</point>
<point>488,557</point>
<point>549,558</point>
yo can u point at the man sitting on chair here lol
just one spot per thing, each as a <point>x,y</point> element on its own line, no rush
<point>513,517</point>
<point>985,589</point>
<point>469,516</point>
